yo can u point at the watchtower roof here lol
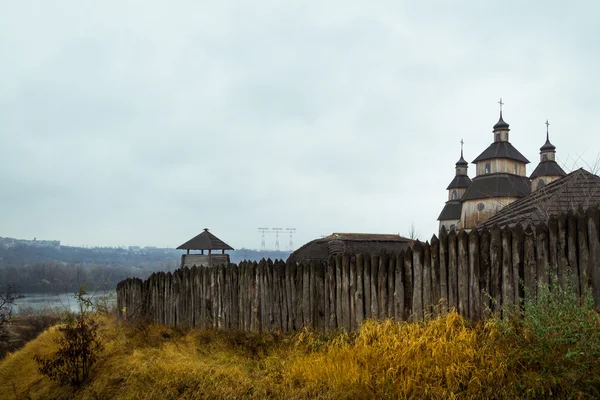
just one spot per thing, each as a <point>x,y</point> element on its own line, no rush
<point>205,241</point>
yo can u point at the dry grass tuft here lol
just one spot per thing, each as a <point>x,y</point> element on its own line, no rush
<point>446,357</point>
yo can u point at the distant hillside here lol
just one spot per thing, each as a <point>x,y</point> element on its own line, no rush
<point>34,267</point>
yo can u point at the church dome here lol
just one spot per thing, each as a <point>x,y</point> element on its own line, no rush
<point>500,124</point>
<point>462,162</point>
<point>548,146</point>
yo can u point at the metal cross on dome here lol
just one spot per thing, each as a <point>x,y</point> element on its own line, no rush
<point>501,104</point>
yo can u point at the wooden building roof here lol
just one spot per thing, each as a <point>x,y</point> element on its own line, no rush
<point>501,150</point>
<point>354,243</point>
<point>205,241</point>
<point>579,188</point>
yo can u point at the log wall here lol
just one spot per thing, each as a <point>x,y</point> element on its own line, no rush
<point>472,272</point>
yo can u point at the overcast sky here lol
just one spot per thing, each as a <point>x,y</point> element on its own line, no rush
<point>142,122</point>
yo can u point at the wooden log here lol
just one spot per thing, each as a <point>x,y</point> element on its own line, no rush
<point>279,306</point>
<point>427,295</point>
<point>517,263</point>
<point>339,292</point>
<point>563,261</point>
<point>530,264</point>
<point>408,284</point>
<point>475,292</point>
<point>367,286</point>
<point>312,287</point>
<point>382,285</point>
<point>583,252</point>
<point>351,292</point>
<point>253,275</point>
<point>391,273</point>
<point>443,270</point>
<point>572,252</point>
<point>288,298</point>
<point>299,304</point>
<point>594,247</point>
<point>359,307</point>
<point>463,274</point>
<point>452,270</point>
<point>399,288</point>
<point>321,318</point>
<point>306,311</point>
<point>553,249</point>
<point>346,292</point>
<point>435,274</point>
<point>374,280</point>
<point>332,294</point>
<point>495,267</point>
<point>484,270</point>
<point>417,303</point>
<point>541,236</point>
<point>508,291</point>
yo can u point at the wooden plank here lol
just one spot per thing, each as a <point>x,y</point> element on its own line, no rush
<point>443,270</point>
<point>339,292</point>
<point>320,297</point>
<point>452,270</point>
<point>435,275</point>
<point>417,303</point>
<point>583,254</point>
<point>312,295</point>
<point>399,288</point>
<point>463,274</point>
<point>508,292</point>
<point>359,307</point>
<point>496,267</point>
<point>408,284</point>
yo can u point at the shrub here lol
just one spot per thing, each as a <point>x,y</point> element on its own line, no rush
<point>78,346</point>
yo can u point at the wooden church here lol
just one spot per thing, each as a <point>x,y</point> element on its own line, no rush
<point>501,180</point>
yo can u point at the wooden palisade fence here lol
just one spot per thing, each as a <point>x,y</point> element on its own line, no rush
<point>472,272</point>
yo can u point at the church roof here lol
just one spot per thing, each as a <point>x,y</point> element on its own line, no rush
<point>579,188</point>
<point>500,124</point>
<point>451,211</point>
<point>205,241</point>
<point>498,185</point>
<point>338,243</point>
<point>501,150</point>
<point>462,162</point>
<point>459,182</point>
<point>547,146</point>
<point>547,168</point>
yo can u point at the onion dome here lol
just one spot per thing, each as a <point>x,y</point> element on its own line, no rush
<point>500,125</point>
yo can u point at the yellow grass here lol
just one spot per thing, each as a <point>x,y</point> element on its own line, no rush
<point>444,358</point>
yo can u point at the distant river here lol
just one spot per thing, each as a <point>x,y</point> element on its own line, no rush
<point>60,302</point>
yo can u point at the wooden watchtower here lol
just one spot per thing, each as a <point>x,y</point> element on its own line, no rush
<point>205,241</point>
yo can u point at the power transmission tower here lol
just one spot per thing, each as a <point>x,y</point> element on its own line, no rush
<point>263,244</point>
<point>291,243</point>
<point>277,237</point>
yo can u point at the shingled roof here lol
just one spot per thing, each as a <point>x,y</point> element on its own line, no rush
<point>451,211</point>
<point>579,188</point>
<point>547,168</point>
<point>205,241</point>
<point>354,243</point>
<point>501,150</point>
<point>498,185</point>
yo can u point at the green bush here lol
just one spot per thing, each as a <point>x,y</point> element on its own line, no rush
<point>556,334</point>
